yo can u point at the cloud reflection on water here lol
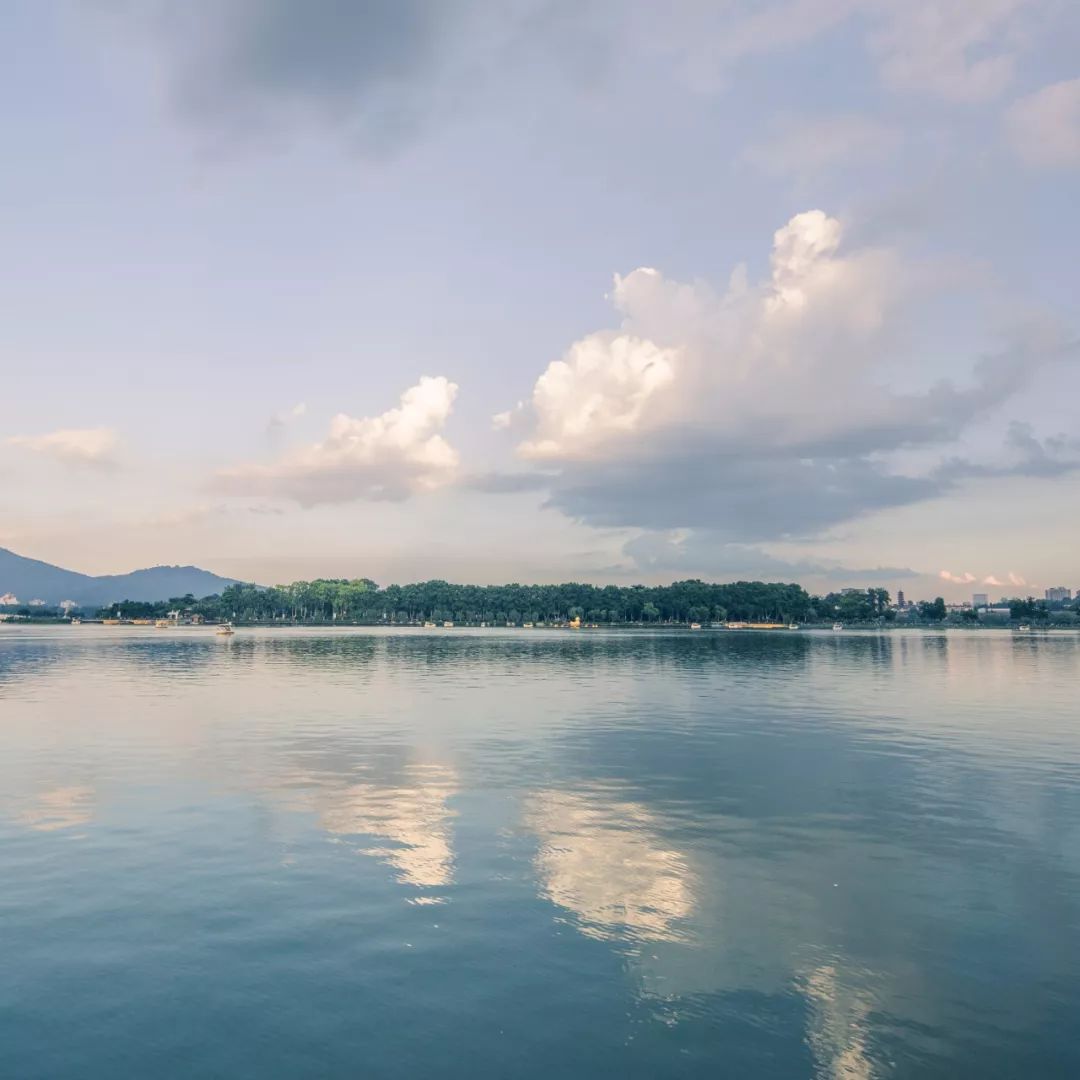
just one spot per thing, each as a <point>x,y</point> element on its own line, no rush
<point>838,1025</point>
<point>604,860</point>
<point>59,808</point>
<point>413,816</point>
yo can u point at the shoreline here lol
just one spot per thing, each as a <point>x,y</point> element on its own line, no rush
<point>211,628</point>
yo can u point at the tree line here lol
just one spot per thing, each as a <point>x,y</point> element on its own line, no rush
<point>361,601</point>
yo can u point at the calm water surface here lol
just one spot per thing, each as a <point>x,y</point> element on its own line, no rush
<point>538,854</point>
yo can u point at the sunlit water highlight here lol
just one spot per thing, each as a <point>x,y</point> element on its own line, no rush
<point>538,854</point>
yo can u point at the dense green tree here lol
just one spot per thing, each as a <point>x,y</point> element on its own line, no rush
<point>1022,610</point>
<point>361,601</point>
<point>932,610</point>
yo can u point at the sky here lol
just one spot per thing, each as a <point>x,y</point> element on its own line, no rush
<point>531,290</point>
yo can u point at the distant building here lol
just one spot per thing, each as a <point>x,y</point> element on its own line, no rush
<point>37,603</point>
<point>1058,594</point>
<point>8,599</point>
<point>901,603</point>
<point>981,600</point>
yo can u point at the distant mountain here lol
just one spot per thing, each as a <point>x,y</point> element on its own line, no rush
<point>31,579</point>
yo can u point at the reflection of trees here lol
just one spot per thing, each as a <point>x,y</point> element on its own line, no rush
<point>76,652</point>
<point>529,654</point>
<point>59,808</point>
<point>326,651</point>
<point>605,861</point>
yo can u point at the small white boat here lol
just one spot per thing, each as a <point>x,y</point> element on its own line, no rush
<point>225,630</point>
<point>793,626</point>
<point>448,625</point>
<point>76,622</point>
<point>527,625</point>
<point>838,626</point>
<point>695,626</point>
<point>1023,628</point>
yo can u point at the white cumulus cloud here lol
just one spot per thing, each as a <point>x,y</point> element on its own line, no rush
<point>602,386</point>
<point>957,579</point>
<point>724,360</point>
<point>764,409</point>
<point>1044,127</point>
<point>504,421</point>
<point>94,447</point>
<point>387,457</point>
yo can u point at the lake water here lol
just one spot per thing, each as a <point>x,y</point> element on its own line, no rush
<point>538,854</point>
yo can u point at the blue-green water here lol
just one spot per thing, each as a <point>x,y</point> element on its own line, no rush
<point>538,854</point>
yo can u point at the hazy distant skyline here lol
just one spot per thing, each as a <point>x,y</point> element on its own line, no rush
<point>535,291</point>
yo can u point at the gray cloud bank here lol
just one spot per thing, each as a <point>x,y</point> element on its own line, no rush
<point>703,552</point>
<point>382,69</point>
<point>379,70</point>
